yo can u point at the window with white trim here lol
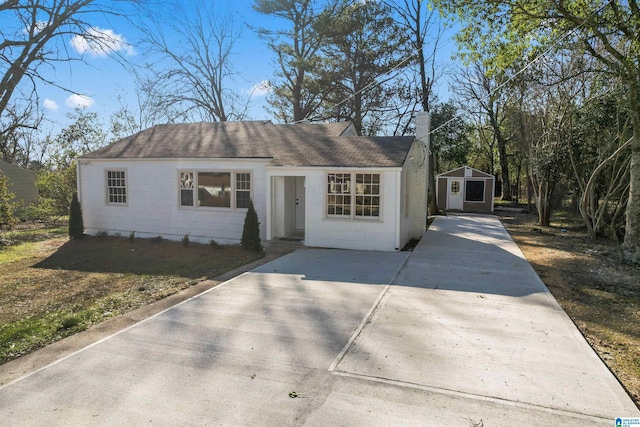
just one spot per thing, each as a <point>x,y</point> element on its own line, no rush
<point>367,195</point>
<point>215,189</point>
<point>116,187</point>
<point>339,194</point>
<point>243,190</point>
<point>353,195</point>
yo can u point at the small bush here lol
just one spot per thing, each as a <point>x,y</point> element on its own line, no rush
<point>70,322</point>
<point>76,225</point>
<point>185,240</point>
<point>251,231</point>
<point>215,245</point>
<point>101,235</point>
<point>42,210</point>
<point>156,240</point>
<point>132,236</point>
<point>7,217</point>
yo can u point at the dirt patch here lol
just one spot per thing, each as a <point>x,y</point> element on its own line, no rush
<point>598,291</point>
<point>51,287</point>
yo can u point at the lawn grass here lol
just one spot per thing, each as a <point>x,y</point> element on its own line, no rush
<point>52,287</point>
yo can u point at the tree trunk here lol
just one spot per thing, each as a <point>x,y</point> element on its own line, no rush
<point>432,203</point>
<point>504,167</point>
<point>631,245</point>
<point>545,193</point>
<point>528,190</point>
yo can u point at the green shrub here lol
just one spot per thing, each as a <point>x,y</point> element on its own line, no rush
<point>55,187</point>
<point>43,210</point>
<point>132,236</point>
<point>101,235</point>
<point>215,245</point>
<point>7,217</point>
<point>251,231</point>
<point>70,321</point>
<point>76,225</point>
<point>156,240</point>
<point>185,240</point>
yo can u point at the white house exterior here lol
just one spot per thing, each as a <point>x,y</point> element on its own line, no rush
<point>316,182</point>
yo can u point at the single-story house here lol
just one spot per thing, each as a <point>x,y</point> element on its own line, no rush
<point>465,189</point>
<point>318,182</point>
<point>22,182</point>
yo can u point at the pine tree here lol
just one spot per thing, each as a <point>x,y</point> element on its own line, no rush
<point>251,231</point>
<point>76,225</point>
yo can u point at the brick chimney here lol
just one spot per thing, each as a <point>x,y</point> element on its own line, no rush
<point>420,175</point>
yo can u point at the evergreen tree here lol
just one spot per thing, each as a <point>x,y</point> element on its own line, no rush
<point>251,231</point>
<point>76,225</point>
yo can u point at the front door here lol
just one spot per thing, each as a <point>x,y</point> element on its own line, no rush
<point>455,194</point>
<point>300,206</point>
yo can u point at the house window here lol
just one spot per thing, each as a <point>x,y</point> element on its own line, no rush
<point>186,188</point>
<point>455,187</point>
<point>339,194</point>
<point>367,194</point>
<point>361,200</point>
<point>474,191</point>
<point>215,189</point>
<point>116,187</point>
<point>243,190</point>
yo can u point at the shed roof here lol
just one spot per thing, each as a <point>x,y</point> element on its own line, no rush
<point>306,144</point>
<point>462,172</point>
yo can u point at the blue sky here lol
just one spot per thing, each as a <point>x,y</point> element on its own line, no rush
<point>101,84</point>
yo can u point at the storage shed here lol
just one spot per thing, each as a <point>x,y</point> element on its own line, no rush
<point>465,189</point>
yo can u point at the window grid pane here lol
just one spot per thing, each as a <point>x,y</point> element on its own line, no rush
<point>367,195</point>
<point>116,187</point>
<point>339,194</point>
<point>243,190</point>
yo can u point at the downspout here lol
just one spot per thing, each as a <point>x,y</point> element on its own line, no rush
<point>269,204</point>
<point>78,181</point>
<point>399,196</point>
<point>493,192</point>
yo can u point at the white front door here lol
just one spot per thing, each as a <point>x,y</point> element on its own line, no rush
<point>455,194</point>
<point>300,206</point>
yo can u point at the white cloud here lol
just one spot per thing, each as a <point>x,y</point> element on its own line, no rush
<point>50,105</point>
<point>77,101</point>
<point>100,42</point>
<point>260,89</point>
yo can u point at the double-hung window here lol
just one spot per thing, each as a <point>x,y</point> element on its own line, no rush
<point>116,187</point>
<point>215,189</point>
<point>353,195</point>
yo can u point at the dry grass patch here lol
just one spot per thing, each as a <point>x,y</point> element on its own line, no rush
<point>598,291</point>
<point>52,287</point>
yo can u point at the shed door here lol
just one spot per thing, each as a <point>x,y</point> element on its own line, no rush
<point>455,194</point>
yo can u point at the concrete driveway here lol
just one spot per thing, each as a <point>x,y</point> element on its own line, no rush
<point>460,332</point>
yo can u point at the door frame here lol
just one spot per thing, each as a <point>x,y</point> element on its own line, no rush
<point>459,204</point>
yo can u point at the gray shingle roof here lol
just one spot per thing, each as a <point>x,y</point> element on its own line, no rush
<point>285,145</point>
